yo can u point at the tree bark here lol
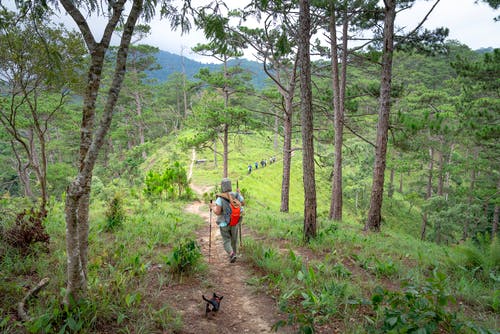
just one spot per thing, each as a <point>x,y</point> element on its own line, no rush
<point>226,125</point>
<point>276,131</point>
<point>336,199</point>
<point>140,122</point>
<point>374,215</point>
<point>287,93</point>
<point>307,121</point>
<point>428,192</point>
<point>287,157</point>
<point>472,186</point>
<point>22,172</point>
<point>440,187</point>
<point>448,175</point>
<point>226,149</point>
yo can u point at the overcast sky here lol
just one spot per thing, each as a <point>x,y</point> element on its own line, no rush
<point>469,23</point>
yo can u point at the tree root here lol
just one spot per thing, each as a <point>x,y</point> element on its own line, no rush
<point>32,293</point>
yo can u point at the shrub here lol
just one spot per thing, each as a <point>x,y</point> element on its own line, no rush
<point>115,214</point>
<point>481,257</point>
<point>172,183</point>
<point>27,230</point>
<point>419,309</point>
<point>184,257</point>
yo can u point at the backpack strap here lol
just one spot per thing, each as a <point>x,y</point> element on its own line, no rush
<point>230,198</point>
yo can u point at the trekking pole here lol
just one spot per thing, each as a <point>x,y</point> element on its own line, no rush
<point>241,218</point>
<point>210,232</point>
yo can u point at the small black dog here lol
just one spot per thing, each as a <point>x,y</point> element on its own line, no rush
<point>214,302</point>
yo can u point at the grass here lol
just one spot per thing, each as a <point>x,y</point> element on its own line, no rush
<point>119,271</point>
<point>333,278</point>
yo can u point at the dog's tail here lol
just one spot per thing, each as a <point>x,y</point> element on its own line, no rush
<point>215,304</point>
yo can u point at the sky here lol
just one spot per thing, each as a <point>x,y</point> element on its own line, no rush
<point>469,23</point>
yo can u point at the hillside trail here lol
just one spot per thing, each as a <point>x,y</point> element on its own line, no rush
<point>243,309</point>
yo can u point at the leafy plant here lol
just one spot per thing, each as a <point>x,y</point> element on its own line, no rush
<point>184,257</point>
<point>115,214</point>
<point>481,257</point>
<point>172,183</point>
<point>418,309</point>
<point>73,318</point>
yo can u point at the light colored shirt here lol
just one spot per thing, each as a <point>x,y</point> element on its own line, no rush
<point>220,218</point>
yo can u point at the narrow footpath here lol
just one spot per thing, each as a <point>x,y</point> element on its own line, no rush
<point>244,309</point>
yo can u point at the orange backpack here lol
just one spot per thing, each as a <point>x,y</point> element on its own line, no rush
<point>235,205</point>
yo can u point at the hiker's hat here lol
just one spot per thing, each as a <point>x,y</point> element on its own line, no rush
<point>225,185</point>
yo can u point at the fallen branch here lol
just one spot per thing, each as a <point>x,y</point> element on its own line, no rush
<point>32,293</point>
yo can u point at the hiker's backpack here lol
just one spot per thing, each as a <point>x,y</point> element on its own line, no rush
<point>233,216</point>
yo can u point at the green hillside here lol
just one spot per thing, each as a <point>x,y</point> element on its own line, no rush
<point>345,279</point>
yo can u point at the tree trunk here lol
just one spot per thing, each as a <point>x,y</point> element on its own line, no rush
<point>336,199</point>
<point>470,199</point>
<point>22,172</point>
<point>307,121</point>
<point>78,192</point>
<point>428,192</point>
<point>440,187</point>
<point>276,131</point>
<point>374,214</point>
<point>215,153</point>
<point>226,149</point>
<point>390,192</point>
<point>447,175</point>
<point>287,155</point>
<point>226,126</point>
<point>140,122</point>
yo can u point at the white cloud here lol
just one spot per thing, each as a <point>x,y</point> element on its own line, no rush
<point>469,23</point>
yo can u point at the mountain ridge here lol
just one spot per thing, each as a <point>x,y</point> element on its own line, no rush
<point>171,63</point>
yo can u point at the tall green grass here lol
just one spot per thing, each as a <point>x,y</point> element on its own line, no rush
<point>130,264</point>
<point>126,269</point>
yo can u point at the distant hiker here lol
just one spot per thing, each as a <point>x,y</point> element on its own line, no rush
<point>256,165</point>
<point>249,169</point>
<point>228,207</point>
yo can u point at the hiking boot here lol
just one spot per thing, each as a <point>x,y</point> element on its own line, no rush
<point>232,257</point>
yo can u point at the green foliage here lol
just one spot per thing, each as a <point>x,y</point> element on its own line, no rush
<point>74,318</point>
<point>170,184</point>
<point>448,218</point>
<point>115,213</point>
<point>185,257</point>
<point>416,309</point>
<point>481,258</point>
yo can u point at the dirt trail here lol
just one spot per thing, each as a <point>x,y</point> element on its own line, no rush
<point>243,309</point>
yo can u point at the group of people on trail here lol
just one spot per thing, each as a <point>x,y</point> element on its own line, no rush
<point>263,163</point>
<point>225,207</point>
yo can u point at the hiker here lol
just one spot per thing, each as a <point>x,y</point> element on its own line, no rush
<point>249,169</point>
<point>223,209</point>
<point>256,165</point>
